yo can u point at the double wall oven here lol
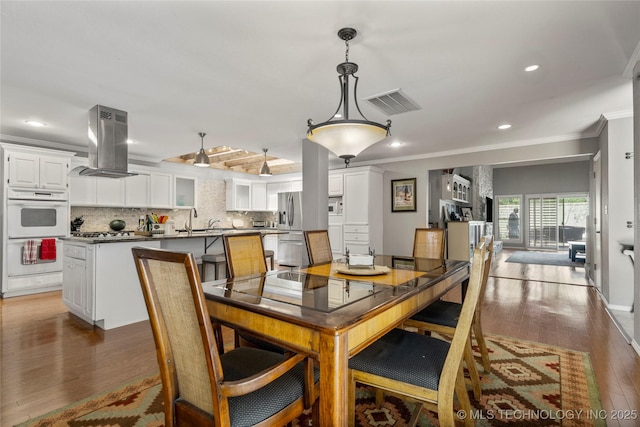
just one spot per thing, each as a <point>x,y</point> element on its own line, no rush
<point>34,218</point>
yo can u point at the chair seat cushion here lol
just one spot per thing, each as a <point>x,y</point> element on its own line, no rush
<point>440,312</point>
<point>404,356</point>
<point>214,258</point>
<point>255,407</point>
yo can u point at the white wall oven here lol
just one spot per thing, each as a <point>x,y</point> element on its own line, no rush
<point>37,214</point>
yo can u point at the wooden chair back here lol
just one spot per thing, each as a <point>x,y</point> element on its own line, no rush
<point>195,393</point>
<point>451,379</point>
<point>245,254</point>
<point>318,246</point>
<point>185,344</point>
<point>452,369</point>
<point>428,243</point>
<point>488,243</point>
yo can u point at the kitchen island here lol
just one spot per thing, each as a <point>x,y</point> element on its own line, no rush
<point>100,283</point>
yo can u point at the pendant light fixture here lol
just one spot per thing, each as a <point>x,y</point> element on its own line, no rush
<point>265,170</point>
<point>202,160</point>
<point>343,136</point>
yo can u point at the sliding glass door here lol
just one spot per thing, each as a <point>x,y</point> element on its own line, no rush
<point>542,232</point>
<point>555,220</point>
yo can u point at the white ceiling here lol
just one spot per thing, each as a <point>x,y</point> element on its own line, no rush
<point>250,74</point>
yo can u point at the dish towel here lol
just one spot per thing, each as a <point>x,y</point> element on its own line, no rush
<point>48,250</point>
<point>30,252</point>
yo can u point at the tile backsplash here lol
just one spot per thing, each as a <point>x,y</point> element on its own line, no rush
<point>211,205</point>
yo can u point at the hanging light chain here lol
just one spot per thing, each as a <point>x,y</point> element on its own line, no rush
<point>346,52</point>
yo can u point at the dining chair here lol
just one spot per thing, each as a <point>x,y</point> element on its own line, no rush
<point>442,317</point>
<point>422,367</point>
<point>428,243</point>
<point>200,387</point>
<point>318,246</point>
<point>245,257</point>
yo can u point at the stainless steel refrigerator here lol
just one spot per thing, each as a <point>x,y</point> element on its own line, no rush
<point>291,246</point>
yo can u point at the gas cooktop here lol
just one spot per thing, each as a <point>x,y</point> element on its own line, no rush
<point>101,234</point>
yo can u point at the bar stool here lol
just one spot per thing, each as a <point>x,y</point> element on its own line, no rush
<point>215,259</point>
<point>268,254</point>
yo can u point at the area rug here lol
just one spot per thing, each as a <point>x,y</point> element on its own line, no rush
<point>530,384</point>
<point>544,258</point>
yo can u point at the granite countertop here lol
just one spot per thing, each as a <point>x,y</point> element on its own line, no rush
<point>178,235</point>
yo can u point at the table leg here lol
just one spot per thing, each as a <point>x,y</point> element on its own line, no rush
<point>334,391</point>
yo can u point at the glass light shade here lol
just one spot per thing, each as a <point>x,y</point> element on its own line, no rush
<point>348,138</point>
<point>202,160</point>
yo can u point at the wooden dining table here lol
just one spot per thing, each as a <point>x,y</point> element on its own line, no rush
<point>323,312</point>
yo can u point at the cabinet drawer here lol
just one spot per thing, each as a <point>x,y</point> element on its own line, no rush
<point>79,252</point>
<point>356,237</point>
<point>356,229</point>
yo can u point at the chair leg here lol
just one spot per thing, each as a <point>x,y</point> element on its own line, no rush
<point>463,398</point>
<point>473,370</point>
<point>351,414</point>
<point>482,345</point>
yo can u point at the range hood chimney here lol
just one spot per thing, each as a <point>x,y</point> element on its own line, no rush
<point>108,151</point>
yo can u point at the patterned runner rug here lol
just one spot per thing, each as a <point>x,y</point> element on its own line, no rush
<point>531,384</point>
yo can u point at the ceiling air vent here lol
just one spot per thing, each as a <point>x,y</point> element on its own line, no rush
<point>393,102</point>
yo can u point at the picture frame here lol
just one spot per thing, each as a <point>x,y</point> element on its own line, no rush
<point>403,263</point>
<point>466,214</point>
<point>403,195</point>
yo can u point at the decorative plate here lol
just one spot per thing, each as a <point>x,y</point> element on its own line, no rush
<point>375,271</point>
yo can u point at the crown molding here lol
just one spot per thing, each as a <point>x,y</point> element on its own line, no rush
<point>635,58</point>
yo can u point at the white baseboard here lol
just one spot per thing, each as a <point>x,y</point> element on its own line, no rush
<point>619,307</point>
<point>635,346</point>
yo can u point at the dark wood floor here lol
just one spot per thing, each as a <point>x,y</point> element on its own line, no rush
<point>50,359</point>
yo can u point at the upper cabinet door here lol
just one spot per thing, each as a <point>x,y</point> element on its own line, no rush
<point>336,187</point>
<point>258,196</point>
<point>28,170</point>
<point>185,192</point>
<point>53,173</point>
<point>160,191</point>
<point>24,170</point>
<point>136,191</point>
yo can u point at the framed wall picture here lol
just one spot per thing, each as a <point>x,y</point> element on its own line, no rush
<point>403,195</point>
<point>466,214</point>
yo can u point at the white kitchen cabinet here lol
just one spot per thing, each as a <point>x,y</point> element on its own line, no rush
<point>456,188</point>
<point>160,190</point>
<point>273,188</point>
<point>356,205</point>
<point>185,192</point>
<point>110,192</point>
<point>362,210</point>
<point>335,184</point>
<point>238,194</point>
<point>34,168</point>
<point>258,196</point>
<point>136,189</point>
<point>335,240</point>
<point>296,185</point>
<point>77,285</point>
<point>82,190</point>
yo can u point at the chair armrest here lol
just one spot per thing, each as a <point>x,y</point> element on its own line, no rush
<point>262,378</point>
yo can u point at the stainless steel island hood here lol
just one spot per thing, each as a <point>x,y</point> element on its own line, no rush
<point>108,151</point>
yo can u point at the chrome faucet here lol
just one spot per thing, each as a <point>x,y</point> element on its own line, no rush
<point>193,213</point>
<point>213,223</point>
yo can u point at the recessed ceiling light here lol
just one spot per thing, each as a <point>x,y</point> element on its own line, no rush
<point>395,144</point>
<point>533,67</point>
<point>129,141</point>
<point>504,126</point>
<point>35,123</point>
